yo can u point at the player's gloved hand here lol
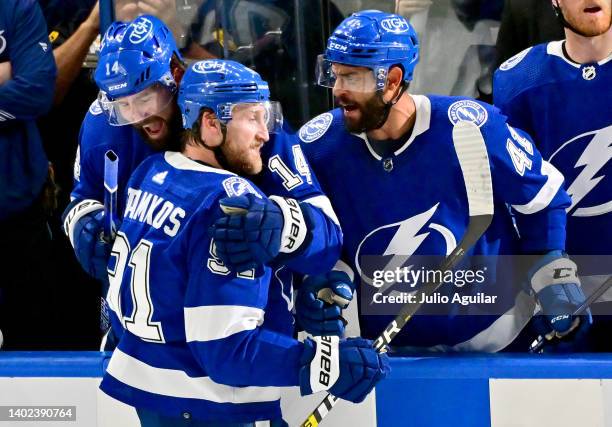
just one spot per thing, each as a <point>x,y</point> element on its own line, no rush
<point>348,369</point>
<point>84,226</point>
<point>255,230</point>
<point>557,288</point>
<point>320,301</point>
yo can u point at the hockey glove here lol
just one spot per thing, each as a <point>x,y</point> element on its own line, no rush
<point>557,287</point>
<point>348,369</point>
<point>320,300</point>
<point>255,230</point>
<point>84,226</point>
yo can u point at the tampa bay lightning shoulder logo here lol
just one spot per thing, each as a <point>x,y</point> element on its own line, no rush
<point>512,62</point>
<point>142,28</point>
<point>467,111</point>
<point>95,108</point>
<point>236,186</point>
<point>315,128</point>
<point>2,41</point>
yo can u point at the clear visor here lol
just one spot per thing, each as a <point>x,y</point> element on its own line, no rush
<point>268,115</point>
<point>135,108</point>
<point>349,78</point>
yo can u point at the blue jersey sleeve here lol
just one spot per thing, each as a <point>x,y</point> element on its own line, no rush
<point>288,174</point>
<point>510,86</point>
<point>530,185</point>
<point>224,312</point>
<point>89,163</point>
<point>29,93</point>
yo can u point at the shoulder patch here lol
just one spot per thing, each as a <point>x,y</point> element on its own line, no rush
<point>467,110</point>
<point>512,62</point>
<point>237,186</point>
<point>95,108</point>
<point>316,127</point>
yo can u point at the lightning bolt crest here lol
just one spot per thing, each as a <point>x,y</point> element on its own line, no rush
<point>593,159</point>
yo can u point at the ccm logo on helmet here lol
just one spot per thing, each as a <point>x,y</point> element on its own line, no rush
<point>337,46</point>
<point>395,25</point>
<point>142,28</point>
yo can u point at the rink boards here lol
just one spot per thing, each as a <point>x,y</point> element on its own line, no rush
<point>465,390</point>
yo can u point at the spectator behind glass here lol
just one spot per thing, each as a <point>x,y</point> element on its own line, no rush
<point>457,44</point>
<point>73,27</point>
<point>26,92</point>
<point>526,23</point>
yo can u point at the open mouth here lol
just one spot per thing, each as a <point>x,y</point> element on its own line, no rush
<point>153,128</point>
<point>593,9</point>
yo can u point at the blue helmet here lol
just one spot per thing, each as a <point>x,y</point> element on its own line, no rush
<point>134,55</point>
<point>219,85</point>
<point>371,39</point>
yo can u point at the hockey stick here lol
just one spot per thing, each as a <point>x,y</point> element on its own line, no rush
<point>111,163</point>
<point>539,342</point>
<point>474,162</point>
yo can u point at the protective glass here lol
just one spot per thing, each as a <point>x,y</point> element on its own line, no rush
<point>267,114</point>
<point>131,109</point>
<point>358,79</point>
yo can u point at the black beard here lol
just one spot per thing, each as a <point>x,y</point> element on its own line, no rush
<point>376,116</point>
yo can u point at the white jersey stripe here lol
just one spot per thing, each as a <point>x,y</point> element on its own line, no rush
<point>176,383</point>
<point>546,193</point>
<point>207,323</point>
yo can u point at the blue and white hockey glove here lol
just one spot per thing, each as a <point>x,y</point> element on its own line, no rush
<point>555,282</point>
<point>84,226</point>
<point>320,300</point>
<point>255,230</point>
<point>348,369</point>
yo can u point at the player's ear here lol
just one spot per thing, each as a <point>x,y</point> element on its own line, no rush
<point>395,77</point>
<point>210,129</point>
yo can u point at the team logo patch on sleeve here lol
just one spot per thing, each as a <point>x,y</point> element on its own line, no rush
<point>236,186</point>
<point>512,62</point>
<point>467,111</point>
<point>95,108</point>
<point>315,128</point>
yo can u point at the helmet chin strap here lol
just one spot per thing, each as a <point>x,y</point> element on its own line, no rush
<point>217,151</point>
<point>388,105</point>
<point>564,22</point>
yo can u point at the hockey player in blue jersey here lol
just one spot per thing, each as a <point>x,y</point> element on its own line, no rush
<point>195,349</point>
<point>398,191</point>
<point>560,93</point>
<point>136,114</point>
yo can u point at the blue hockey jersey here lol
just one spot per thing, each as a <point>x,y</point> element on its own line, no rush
<point>27,95</point>
<point>286,174</point>
<point>413,202</point>
<point>195,340</point>
<point>567,108</point>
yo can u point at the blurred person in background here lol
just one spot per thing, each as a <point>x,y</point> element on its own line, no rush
<point>27,77</point>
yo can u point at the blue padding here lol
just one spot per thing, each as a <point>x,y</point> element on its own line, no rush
<point>52,363</point>
<point>474,366</point>
<point>403,402</point>
<point>453,390</point>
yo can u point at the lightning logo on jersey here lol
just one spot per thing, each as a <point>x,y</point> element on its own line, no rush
<point>407,239</point>
<point>591,164</point>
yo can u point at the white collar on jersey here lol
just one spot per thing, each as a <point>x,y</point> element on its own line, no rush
<point>556,49</point>
<point>421,124</point>
<point>180,161</point>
